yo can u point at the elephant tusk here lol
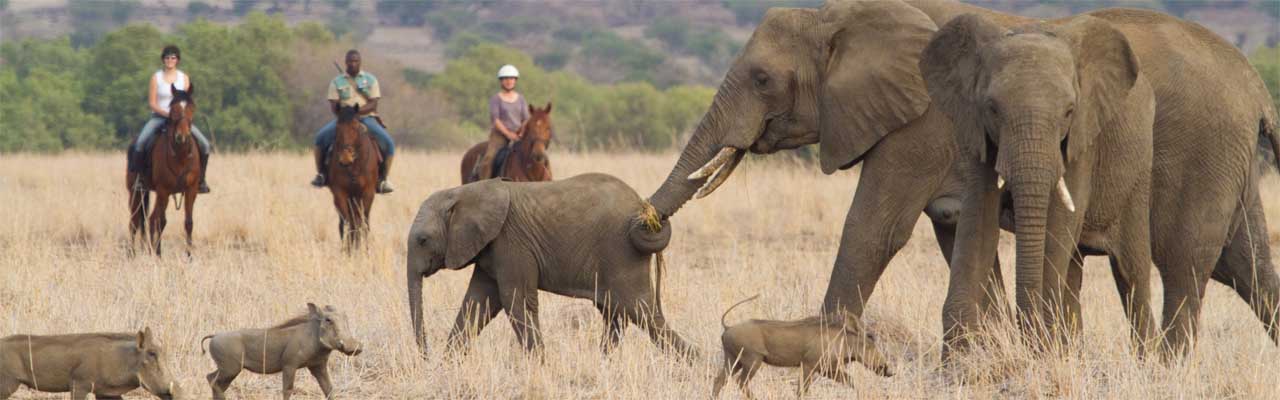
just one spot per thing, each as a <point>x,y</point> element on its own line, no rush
<point>714,165</point>
<point>999,182</point>
<point>717,179</point>
<point>1065,195</point>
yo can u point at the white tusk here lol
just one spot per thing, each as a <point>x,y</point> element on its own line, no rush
<point>716,162</point>
<point>717,179</point>
<point>999,182</point>
<point>1065,195</point>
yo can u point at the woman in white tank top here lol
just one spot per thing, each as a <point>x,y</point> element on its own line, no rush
<point>158,98</point>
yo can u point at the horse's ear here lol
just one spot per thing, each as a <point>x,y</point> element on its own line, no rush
<point>532,109</point>
<point>356,109</point>
<point>173,88</point>
<point>548,110</point>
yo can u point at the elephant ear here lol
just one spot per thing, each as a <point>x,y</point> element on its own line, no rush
<point>871,83</point>
<point>1106,69</point>
<point>952,68</point>
<point>478,214</point>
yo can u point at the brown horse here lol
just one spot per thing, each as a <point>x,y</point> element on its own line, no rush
<point>353,176</point>
<point>174,170</point>
<point>528,160</point>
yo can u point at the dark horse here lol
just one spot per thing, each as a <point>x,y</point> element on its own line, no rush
<point>353,176</point>
<point>174,169</point>
<point>528,160</point>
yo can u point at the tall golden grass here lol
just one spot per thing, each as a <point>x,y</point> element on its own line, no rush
<point>266,243</point>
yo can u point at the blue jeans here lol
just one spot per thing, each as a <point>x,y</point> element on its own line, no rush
<point>329,133</point>
<point>153,125</point>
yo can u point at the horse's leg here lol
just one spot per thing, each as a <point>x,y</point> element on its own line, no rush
<point>366,205</point>
<point>158,220</point>
<point>344,215</point>
<point>136,217</point>
<point>189,202</point>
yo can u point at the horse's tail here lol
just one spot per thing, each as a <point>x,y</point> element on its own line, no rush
<point>735,305</point>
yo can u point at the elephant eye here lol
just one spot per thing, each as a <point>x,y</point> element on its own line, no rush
<point>1068,114</point>
<point>993,108</point>
<point>761,80</point>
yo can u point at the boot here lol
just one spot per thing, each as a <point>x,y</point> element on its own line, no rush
<point>319,181</point>
<point>134,164</point>
<point>204,169</point>
<point>384,186</point>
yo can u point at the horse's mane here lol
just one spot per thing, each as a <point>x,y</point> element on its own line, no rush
<point>346,113</point>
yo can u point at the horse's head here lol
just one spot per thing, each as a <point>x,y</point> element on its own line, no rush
<point>182,110</point>
<point>538,133</point>
<point>348,132</point>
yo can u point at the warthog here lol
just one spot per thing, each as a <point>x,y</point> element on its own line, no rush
<point>105,364</point>
<point>816,344</point>
<point>304,341</point>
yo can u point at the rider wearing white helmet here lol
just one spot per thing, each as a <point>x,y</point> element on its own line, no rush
<point>508,110</point>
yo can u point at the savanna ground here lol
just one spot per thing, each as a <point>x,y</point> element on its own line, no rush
<point>267,243</point>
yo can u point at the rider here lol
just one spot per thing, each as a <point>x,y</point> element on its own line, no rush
<point>365,94</point>
<point>508,111</point>
<point>159,95</point>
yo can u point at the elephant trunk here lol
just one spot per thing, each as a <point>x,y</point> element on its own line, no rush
<point>1034,172</point>
<point>415,306</point>
<point>706,154</point>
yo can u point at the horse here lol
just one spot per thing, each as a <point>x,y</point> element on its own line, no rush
<point>352,168</point>
<point>528,160</point>
<point>174,170</point>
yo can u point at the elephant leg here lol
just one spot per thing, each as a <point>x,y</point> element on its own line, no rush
<point>655,324</point>
<point>1245,265</point>
<point>893,189</point>
<point>977,235</point>
<point>615,322</point>
<point>945,231</point>
<point>1061,233</point>
<point>521,305</point>
<point>479,306</point>
<point>1075,279</point>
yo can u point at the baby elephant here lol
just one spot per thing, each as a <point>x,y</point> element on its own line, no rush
<point>578,237</point>
<point>815,344</point>
<point>105,364</point>
<point>304,341</point>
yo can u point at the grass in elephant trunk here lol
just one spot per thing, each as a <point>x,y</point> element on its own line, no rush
<point>771,229</point>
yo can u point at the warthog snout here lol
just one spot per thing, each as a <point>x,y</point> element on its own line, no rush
<point>350,347</point>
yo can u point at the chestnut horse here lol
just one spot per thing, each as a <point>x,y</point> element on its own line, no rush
<point>353,176</point>
<point>174,170</point>
<point>528,160</point>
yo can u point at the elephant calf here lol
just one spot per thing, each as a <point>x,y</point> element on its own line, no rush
<point>105,364</point>
<point>821,344</point>
<point>578,237</point>
<point>304,341</point>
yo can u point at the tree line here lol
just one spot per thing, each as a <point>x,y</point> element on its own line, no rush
<point>261,85</point>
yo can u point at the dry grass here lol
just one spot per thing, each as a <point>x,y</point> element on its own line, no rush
<point>267,244</point>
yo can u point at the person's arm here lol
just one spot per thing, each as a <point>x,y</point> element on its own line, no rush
<point>375,93</point>
<point>151,99</point>
<point>333,98</point>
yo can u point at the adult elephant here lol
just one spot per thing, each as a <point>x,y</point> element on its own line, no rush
<point>846,77</point>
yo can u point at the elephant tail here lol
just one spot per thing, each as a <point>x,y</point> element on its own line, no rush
<point>202,340</point>
<point>648,233</point>
<point>735,305</point>
<point>659,265</point>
